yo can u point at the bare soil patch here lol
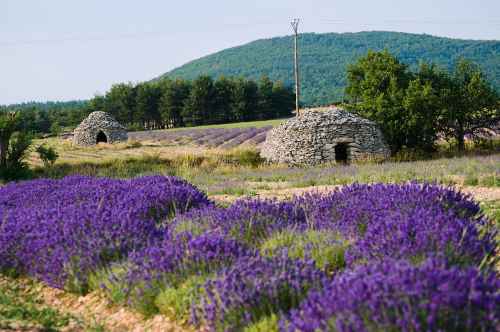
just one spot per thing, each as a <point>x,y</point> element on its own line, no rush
<point>95,308</point>
<point>480,194</point>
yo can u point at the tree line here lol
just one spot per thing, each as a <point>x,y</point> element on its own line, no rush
<point>179,103</point>
<point>415,108</point>
<point>48,117</point>
<point>166,103</point>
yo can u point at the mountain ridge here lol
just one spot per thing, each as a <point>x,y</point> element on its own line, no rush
<point>324,58</point>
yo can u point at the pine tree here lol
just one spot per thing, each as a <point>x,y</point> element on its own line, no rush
<point>199,107</point>
<point>283,100</point>
<point>265,108</point>
<point>173,98</point>
<point>223,99</point>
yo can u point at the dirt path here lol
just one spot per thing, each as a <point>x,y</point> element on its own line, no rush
<point>95,309</point>
<point>84,313</point>
<point>481,194</point>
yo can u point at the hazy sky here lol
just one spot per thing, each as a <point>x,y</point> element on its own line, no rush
<point>70,49</point>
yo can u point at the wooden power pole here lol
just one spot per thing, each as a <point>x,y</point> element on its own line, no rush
<point>295,27</point>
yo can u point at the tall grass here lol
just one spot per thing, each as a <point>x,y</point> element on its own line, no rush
<point>243,172</point>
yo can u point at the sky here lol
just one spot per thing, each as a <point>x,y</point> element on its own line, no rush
<point>74,49</point>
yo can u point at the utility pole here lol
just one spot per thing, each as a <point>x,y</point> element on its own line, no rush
<point>295,27</point>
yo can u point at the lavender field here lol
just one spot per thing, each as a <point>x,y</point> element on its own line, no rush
<point>372,257</point>
<point>223,138</point>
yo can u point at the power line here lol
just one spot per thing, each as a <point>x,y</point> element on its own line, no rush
<point>411,21</point>
<point>327,21</point>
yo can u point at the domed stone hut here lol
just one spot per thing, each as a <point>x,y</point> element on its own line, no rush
<point>99,127</point>
<point>324,135</point>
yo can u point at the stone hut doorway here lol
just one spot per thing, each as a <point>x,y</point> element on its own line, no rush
<point>341,153</point>
<point>101,138</point>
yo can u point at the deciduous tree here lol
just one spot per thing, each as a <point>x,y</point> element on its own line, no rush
<point>469,103</point>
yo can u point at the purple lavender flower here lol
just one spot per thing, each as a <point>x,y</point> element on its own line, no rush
<point>253,288</point>
<point>173,260</point>
<point>403,221</point>
<point>60,230</point>
<point>248,221</point>
<point>397,296</point>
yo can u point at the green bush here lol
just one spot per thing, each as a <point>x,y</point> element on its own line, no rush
<point>175,302</point>
<point>246,158</point>
<point>102,280</point>
<point>15,166</point>
<point>48,155</point>
<point>326,248</point>
<point>55,129</point>
<point>135,127</point>
<point>14,146</point>
<point>266,324</point>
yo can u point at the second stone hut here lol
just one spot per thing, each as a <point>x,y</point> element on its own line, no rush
<point>324,135</point>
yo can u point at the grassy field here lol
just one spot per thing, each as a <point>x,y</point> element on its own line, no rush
<point>212,168</point>
<point>233,173</point>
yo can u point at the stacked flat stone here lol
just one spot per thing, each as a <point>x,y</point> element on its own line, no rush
<point>311,138</point>
<point>86,133</point>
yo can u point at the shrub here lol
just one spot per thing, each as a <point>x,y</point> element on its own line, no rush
<point>403,221</point>
<point>176,301</point>
<point>247,157</point>
<point>248,221</point>
<point>364,258</point>
<point>55,129</point>
<point>176,258</point>
<point>254,288</point>
<point>12,157</point>
<point>397,296</point>
<point>266,324</point>
<point>61,230</point>
<point>48,155</point>
<point>326,248</point>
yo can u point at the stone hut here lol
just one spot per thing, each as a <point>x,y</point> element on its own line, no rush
<point>324,135</point>
<point>99,127</point>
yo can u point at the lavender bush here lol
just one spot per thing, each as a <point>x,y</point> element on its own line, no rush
<point>248,221</point>
<point>403,221</point>
<point>256,287</point>
<point>397,296</point>
<point>60,230</point>
<point>167,264</point>
<point>363,258</point>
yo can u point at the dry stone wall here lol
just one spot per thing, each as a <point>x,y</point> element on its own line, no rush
<point>320,135</point>
<point>99,123</point>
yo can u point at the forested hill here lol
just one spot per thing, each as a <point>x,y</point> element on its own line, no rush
<point>324,59</point>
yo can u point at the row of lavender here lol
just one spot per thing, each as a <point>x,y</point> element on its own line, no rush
<point>224,138</point>
<point>365,258</point>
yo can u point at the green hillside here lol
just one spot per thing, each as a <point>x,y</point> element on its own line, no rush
<point>324,58</point>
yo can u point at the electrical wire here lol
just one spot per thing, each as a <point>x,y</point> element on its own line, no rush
<point>326,21</point>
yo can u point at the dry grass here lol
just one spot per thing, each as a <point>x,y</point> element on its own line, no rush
<point>240,172</point>
<point>69,153</point>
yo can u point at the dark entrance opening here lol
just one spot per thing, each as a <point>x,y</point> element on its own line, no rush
<point>101,138</point>
<point>341,151</point>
